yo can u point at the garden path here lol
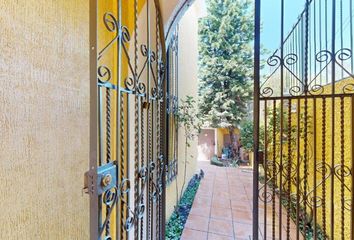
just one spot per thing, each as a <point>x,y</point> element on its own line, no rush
<point>222,208</point>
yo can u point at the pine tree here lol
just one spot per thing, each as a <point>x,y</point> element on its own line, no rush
<point>226,63</point>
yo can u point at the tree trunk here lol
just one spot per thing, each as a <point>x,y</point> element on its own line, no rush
<point>234,143</point>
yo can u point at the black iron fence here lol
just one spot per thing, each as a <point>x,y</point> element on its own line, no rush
<point>304,183</point>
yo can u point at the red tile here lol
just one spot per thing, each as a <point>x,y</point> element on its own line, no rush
<point>243,230</point>
<point>220,202</point>
<point>221,213</point>
<point>197,223</point>
<point>200,210</point>
<point>240,205</point>
<point>190,234</point>
<point>242,216</point>
<point>223,227</point>
<point>213,236</point>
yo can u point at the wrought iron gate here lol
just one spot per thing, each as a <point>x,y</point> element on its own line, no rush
<point>126,180</point>
<point>304,124</point>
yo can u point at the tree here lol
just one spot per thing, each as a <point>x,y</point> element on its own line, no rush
<point>247,136</point>
<point>189,119</point>
<point>226,63</point>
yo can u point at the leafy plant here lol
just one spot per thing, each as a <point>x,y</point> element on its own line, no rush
<point>175,225</point>
<point>247,136</point>
<point>189,119</point>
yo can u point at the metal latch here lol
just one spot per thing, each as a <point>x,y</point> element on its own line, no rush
<point>106,179</point>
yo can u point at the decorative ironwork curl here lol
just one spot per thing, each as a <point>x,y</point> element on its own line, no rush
<point>291,59</point>
<point>345,170</point>
<point>141,211</point>
<point>265,197</point>
<point>129,221</point>
<point>295,91</point>
<point>267,92</point>
<point>110,200</point>
<point>110,22</point>
<point>154,92</point>
<point>316,89</point>
<point>129,83</point>
<point>144,50</point>
<point>315,201</point>
<point>344,54</point>
<point>143,173</point>
<point>348,88</point>
<point>274,60</point>
<point>104,74</point>
<point>124,187</point>
<point>141,88</point>
<point>125,35</point>
<point>324,56</point>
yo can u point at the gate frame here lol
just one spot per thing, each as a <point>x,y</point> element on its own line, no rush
<point>256,109</point>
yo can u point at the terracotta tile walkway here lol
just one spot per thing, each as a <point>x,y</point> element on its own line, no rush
<point>222,208</point>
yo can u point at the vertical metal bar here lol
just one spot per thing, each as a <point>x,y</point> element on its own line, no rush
<point>333,77</point>
<point>122,162</point>
<point>298,135</point>
<point>306,78</point>
<point>136,125</point>
<point>257,24</point>
<point>265,165</point>
<point>148,118</point>
<point>152,172</point>
<point>314,168</point>
<point>128,158</point>
<point>342,155</point>
<point>274,176</point>
<point>94,223</point>
<point>119,122</point>
<point>289,170</point>
<point>324,155</point>
<point>281,117</point>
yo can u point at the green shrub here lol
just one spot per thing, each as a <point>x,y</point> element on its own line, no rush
<point>175,225</point>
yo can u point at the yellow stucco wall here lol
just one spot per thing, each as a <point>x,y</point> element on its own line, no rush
<point>348,144</point>
<point>44,119</point>
<point>187,85</point>
<point>44,144</point>
<point>315,124</point>
<point>220,133</point>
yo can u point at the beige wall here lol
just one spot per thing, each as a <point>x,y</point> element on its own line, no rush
<point>188,85</point>
<point>44,119</point>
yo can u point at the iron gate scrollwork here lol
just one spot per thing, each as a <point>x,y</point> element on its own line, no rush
<point>126,180</point>
<point>304,184</point>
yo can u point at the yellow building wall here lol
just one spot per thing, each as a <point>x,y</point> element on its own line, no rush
<point>221,133</point>
<point>348,145</point>
<point>315,148</point>
<point>44,119</point>
<point>45,102</point>
<point>187,85</point>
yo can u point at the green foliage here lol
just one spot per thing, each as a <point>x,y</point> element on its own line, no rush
<point>226,62</point>
<point>175,225</point>
<point>189,118</point>
<point>247,136</point>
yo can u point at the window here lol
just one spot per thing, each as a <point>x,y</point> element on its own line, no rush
<point>172,107</point>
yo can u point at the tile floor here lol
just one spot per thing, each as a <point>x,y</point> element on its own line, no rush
<point>222,208</point>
